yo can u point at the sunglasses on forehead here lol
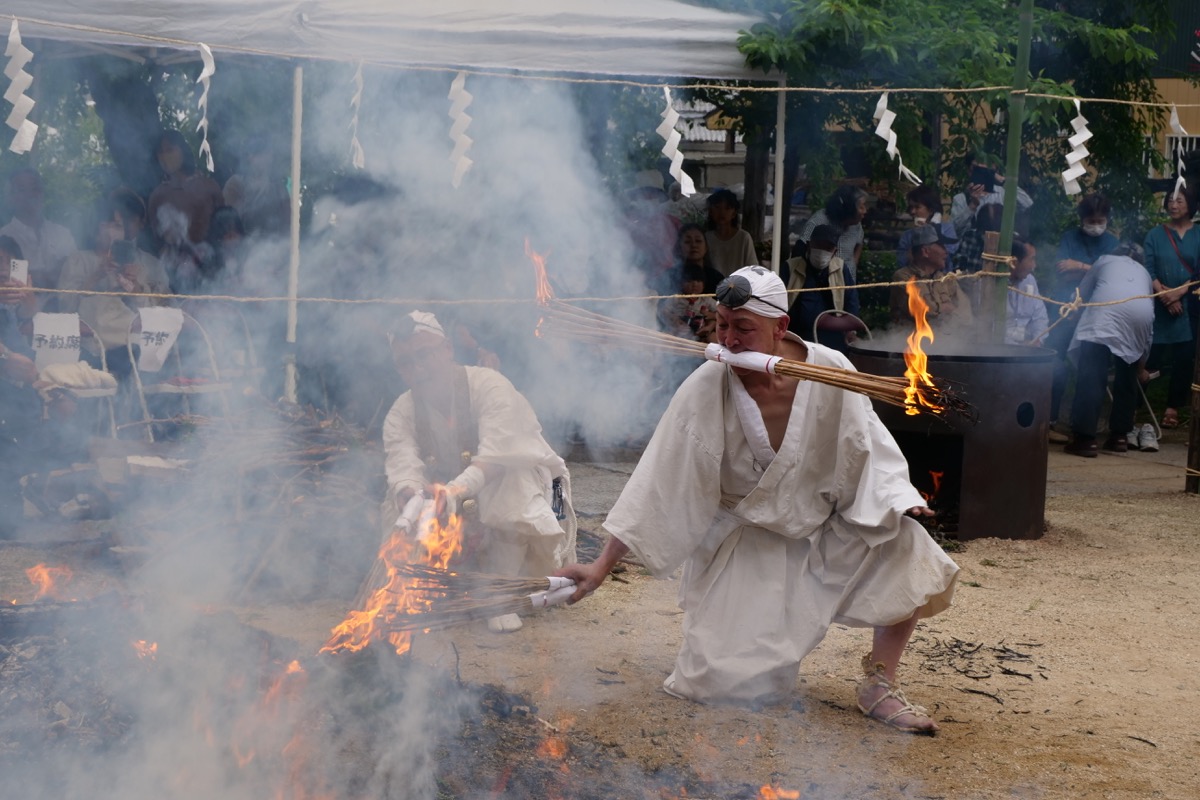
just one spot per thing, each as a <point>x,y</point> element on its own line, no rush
<point>735,291</point>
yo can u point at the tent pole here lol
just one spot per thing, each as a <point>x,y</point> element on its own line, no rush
<point>777,227</point>
<point>293,285</point>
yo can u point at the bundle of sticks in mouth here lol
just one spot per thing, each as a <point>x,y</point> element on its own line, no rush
<point>936,397</point>
<point>458,598</point>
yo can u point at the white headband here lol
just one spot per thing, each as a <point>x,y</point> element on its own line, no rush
<point>770,295</point>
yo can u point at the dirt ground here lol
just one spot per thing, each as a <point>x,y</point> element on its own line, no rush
<point>1064,670</point>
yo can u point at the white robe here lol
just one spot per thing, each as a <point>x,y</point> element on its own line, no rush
<point>777,546</point>
<point>525,537</point>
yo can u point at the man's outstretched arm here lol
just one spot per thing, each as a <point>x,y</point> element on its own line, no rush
<point>588,577</point>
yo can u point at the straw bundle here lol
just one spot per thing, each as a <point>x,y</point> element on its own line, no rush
<point>588,326</point>
<point>459,598</point>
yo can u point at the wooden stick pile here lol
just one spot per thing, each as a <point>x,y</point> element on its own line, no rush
<point>459,598</point>
<point>588,326</point>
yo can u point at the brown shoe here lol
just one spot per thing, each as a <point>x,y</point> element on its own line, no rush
<point>1117,444</point>
<point>1084,448</point>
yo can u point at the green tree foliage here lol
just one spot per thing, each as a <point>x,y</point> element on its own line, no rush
<point>1086,48</point>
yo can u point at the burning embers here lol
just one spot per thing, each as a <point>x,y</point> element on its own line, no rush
<point>436,544</point>
<point>49,581</point>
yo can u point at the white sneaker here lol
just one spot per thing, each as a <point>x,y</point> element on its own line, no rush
<point>1131,438</point>
<point>1146,440</point>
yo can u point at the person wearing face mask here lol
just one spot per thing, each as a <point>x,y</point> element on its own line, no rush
<point>824,271</point>
<point>925,208</point>
<point>1078,250</point>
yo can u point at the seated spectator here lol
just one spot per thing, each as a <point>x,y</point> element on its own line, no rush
<point>27,443</point>
<point>1077,251</point>
<point>181,206</point>
<point>1118,334</point>
<point>730,248</point>
<point>45,244</point>
<point>948,306</point>
<point>1173,260</point>
<point>966,204</point>
<point>17,303</point>
<point>844,210</point>
<point>693,317</point>
<point>1026,319</point>
<point>109,317</point>
<point>824,270</point>
<point>925,208</point>
<point>693,274</point>
<point>129,209</point>
<point>88,269</point>
<point>258,193</point>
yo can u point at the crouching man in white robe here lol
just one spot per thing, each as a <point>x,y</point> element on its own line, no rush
<point>789,506</point>
<point>470,429</point>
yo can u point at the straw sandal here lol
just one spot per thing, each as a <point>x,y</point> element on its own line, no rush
<point>875,678</point>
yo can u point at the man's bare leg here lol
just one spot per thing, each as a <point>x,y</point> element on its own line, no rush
<point>887,647</point>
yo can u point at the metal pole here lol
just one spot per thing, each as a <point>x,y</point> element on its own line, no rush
<point>293,287</point>
<point>777,226</point>
<point>1016,120</point>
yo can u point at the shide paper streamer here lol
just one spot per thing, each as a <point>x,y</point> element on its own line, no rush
<point>210,68</point>
<point>357,156</point>
<point>1180,135</point>
<point>1075,169</point>
<point>460,98</point>
<point>672,137</point>
<point>884,130</point>
<point>18,57</point>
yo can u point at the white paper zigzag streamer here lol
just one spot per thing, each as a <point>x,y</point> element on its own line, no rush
<point>460,98</point>
<point>357,156</point>
<point>884,130</point>
<point>1075,169</point>
<point>210,69</point>
<point>1180,133</point>
<point>672,137</point>
<point>18,57</point>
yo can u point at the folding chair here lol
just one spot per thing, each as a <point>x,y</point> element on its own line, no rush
<point>234,345</point>
<point>207,381</point>
<point>57,339</point>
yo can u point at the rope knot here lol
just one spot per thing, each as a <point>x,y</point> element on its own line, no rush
<point>1067,309</point>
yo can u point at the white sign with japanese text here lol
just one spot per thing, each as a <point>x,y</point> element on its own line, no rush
<point>160,329</point>
<point>55,339</point>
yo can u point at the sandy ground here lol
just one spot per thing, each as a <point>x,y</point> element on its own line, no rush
<point>1065,669</point>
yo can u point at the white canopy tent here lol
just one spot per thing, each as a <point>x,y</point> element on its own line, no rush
<point>611,37</point>
<point>652,38</point>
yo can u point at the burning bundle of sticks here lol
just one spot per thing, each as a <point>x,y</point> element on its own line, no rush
<point>919,392</point>
<point>457,598</point>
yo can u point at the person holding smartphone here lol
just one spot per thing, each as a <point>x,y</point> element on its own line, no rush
<point>985,185</point>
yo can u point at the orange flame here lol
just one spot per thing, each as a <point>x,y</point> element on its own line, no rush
<point>544,293</point>
<point>145,649</point>
<point>435,546</point>
<point>45,579</point>
<point>915,360</point>
<point>936,477</point>
<point>769,792</point>
<point>552,747</point>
